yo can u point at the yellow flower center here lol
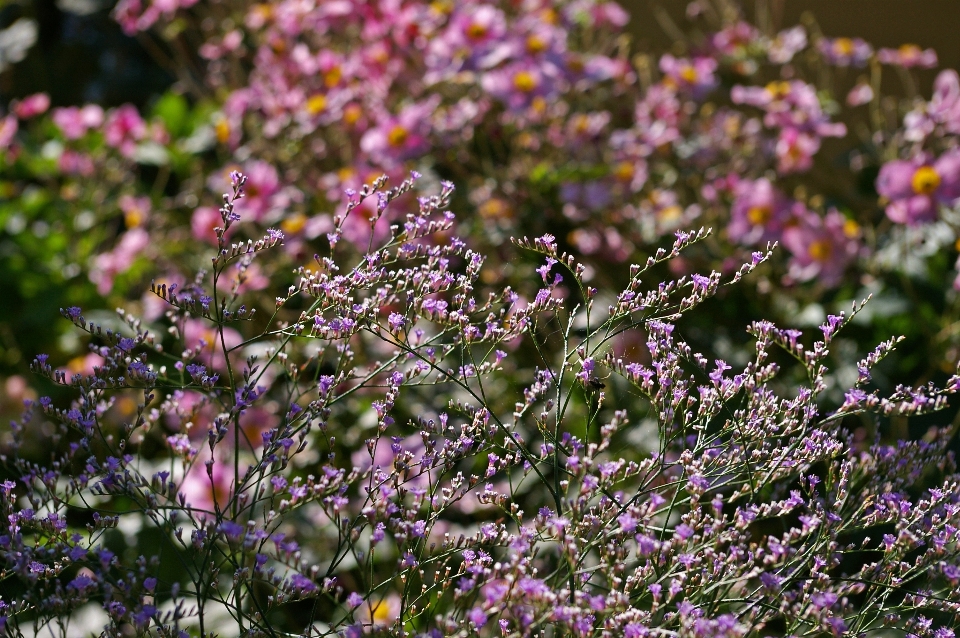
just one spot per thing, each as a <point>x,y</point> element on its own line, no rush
<point>851,228</point>
<point>688,74</point>
<point>670,214</point>
<point>843,46</point>
<point>222,129</point>
<point>759,215</point>
<point>624,171</point>
<point>316,104</point>
<point>293,224</point>
<point>778,90</point>
<point>332,77</point>
<point>925,181</point>
<point>535,44</point>
<point>352,113</point>
<point>820,250</point>
<point>397,136</point>
<point>524,81</point>
<point>133,217</point>
<point>909,50</point>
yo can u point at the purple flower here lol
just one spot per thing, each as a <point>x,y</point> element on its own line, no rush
<point>845,51</point>
<point>759,213</point>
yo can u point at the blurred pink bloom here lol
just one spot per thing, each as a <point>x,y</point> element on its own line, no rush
<point>74,122</point>
<point>31,106</point>
<point>845,51</point>
<point>795,150</point>
<point>944,107</point>
<point>759,212</point>
<point>861,94</point>
<point>517,84</point>
<point>694,76</point>
<point>821,247</point>
<point>124,128</point>
<point>71,162</point>
<point>204,492</point>
<point>787,44</point>
<point>136,210</point>
<point>657,116</point>
<point>734,40</point>
<point>8,128</point>
<point>908,56</point>
<point>204,220</point>
<point>106,266</point>
<point>203,337</point>
<point>915,188</point>
<point>265,200</point>
<point>133,16</point>
<point>396,138</point>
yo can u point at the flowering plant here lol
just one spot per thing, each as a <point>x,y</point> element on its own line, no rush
<point>391,482</point>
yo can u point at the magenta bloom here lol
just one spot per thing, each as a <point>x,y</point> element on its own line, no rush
<point>124,128</point>
<point>944,106</point>
<point>845,51</point>
<point>915,188</point>
<point>8,129</point>
<point>787,44</point>
<point>74,122</point>
<point>821,247</point>
<point>759,212</point>
<point>31,106</point>
<point>397,138</point>
<point>908,56</point>
<point>694,76</point>
<point>518,83</point>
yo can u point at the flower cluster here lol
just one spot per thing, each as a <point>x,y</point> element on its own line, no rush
<point>365,449</point>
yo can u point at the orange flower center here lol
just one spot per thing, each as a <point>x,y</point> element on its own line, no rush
<point>332,77</point>
<point>624,171</point>
<point>352,113</point>
<point>397,136</point>
<point>759,215</point>
<point>820,250</point>
<point>778,90</point>
<point>925,181</point>
<point>843,46</point>
<point>293,224</point>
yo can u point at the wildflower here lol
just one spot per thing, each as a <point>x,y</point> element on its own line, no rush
<point>914,189</point>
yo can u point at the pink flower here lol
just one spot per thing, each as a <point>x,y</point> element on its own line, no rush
<point>845,51</point>
<point>74,163</point>
<point>136,210</point>
<point>795,150</point>
<point>944,105</point>
<point>74,122</point>
<point>821,247</point>
<point>734,40</point>
<point>694,76</point>
<point>265,200</point>
<point>861,94</point>
<point>203,222</point>
<point>8,128</point>
<point>908,56</point>
<point>397,138</point>
<point>915,188</point>
<point>657,116</point>
<point>759,213</point>
<point>517,84</point>
<point>31,106</point>
<point>787,44</point>
<point>107,266</point>
<point>124,128</point>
